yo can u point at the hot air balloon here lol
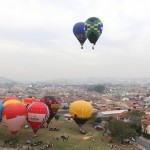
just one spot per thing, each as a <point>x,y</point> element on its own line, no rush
<point>13,116</point>
<point>79,32</point>
<point>93,28</point>
<point>38,114</point>
<point>28,100</point>
<point>80,111</point>
<point>1,108</point>
<point>9,98</point>
<point>11,101</point>
<point>53,105</point>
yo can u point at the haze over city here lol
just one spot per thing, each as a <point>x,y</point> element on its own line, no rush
<point>37,42</point>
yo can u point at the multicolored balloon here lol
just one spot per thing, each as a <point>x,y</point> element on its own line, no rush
<point>79,32</point>
<point>11,101</point>
<point>53,105</point>
<point>13,116</point>
<point>9,98</point>
<point>1,108</point>
<point>29,100</point>
<point>93,29</point>
<point>80,111</point>
<point>38,113</point>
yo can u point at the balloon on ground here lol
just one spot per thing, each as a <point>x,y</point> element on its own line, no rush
<point>53,105</point>
<point>37,115</point>
<point>1,108</point>
<point>29,100</point>
<point>80,111</point>
<point>13,116</point>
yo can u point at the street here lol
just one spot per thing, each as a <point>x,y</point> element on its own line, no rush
<point>143,142</point>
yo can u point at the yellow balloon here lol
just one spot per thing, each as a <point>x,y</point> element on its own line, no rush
<point>11,101</point>
<point>80,111</point>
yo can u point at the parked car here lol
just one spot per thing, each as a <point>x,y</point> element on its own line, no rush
<point>99,128</point>
<point>53,129</point>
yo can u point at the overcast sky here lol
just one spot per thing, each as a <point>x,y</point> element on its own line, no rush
<point>37,42</point>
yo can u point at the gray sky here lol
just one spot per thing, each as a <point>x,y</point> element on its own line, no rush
<point>37,42</point>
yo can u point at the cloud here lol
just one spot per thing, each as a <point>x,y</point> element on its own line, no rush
<point>37,42</point>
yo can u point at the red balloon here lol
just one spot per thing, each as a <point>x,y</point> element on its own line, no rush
<point>14,116</point>
<point>29,100</point>
<point>38,114</point>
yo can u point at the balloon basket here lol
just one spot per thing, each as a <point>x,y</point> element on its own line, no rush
<point>34,135</point>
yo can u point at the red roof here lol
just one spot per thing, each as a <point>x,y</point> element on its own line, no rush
<point>121,115</point>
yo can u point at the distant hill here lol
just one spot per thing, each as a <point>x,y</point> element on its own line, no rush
<point>4,80</point>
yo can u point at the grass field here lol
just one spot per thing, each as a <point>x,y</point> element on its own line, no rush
<point>76,140</point>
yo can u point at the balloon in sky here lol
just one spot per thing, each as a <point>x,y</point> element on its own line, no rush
<point>1,108</point>
<point>14,116</point>
<point>53,105</point>
<point>38,114</point>
<point>93,28</point>
<point>28,100</point>
<point>79,32</point>
<point>80,111</point>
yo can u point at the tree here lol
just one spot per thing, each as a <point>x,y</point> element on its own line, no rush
<point>56,117</point>
<point>98,120</point>
<point>135,117</point>
<point>120,130</point>
<point>97,88</point>
<point>93,117</point>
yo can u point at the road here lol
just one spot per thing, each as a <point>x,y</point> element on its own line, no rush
<point>143,142</point>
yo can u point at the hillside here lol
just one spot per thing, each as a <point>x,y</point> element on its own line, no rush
<point>76,140</point>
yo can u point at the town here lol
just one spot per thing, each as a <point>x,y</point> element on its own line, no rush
<point>108,99</point>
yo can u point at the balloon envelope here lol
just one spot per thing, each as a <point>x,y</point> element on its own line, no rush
<point>80,111</point>
<point>38,114</point>
<point>79,32</point>
<point>9,98</point>
<point>14,116</point>
<point>29,100</point>
<point>93,27</point>
<point>11,101</point>
<point>1,108</point>
<point>53,105</point>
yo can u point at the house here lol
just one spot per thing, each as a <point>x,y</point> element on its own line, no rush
<point>121,116</point>
<point>146,126</point>
<point>110,113</point>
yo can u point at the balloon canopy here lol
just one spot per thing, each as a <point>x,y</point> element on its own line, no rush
<point>80,111</point>
<point>11,101</point>
<point>38,114</point>
<point>13,116</point>
<point>53,105</point>
<point>9,98</point>
<point>93,28</point>
<point>1,108</point>
<point>79,32</point>
<point>29,100</point>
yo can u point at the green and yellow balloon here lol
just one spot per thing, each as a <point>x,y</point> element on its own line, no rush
<point>93,29</point>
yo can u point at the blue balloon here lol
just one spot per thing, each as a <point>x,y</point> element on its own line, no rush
<point>1,108</point>
<point>79,32</point>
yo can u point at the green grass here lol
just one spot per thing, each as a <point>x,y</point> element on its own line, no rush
<point>76,140</point>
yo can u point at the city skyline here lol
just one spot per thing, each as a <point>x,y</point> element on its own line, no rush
<point>37,42</point>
